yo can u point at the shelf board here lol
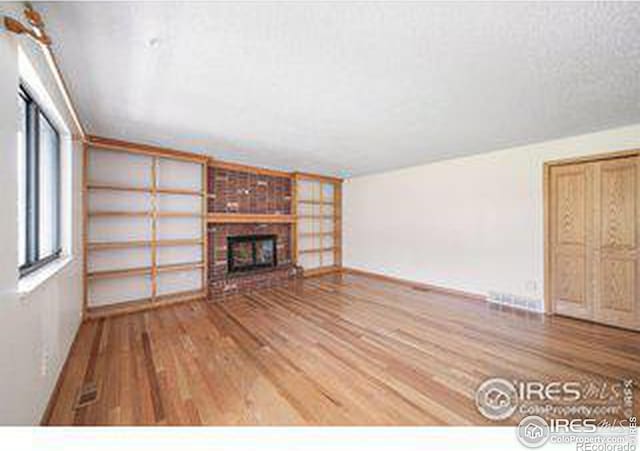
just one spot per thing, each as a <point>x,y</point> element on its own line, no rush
<point>160,214</point>
<point>98,214</point>
<point>168,243</point>
<point>318,217</point>
<point>116,245</point>
<point>315,202</point>
<point>178,214</point>
<point>312,234</point>
<point>185,192</point>
<point>180,267</point>
<point>139,305</point>
<point>129,244</point>
<point>142,271</point>
<point>101,186</point>
<point>126,272</point>
<point>236,218</point>
<point>144,189</point>
<point>316,251</point>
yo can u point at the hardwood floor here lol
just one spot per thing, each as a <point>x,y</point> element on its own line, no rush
<point>332,350</point>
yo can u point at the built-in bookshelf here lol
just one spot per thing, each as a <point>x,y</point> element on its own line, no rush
<point>144,227</point>
<point>318,227</point>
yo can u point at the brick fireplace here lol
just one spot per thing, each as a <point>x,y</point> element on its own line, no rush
<point>235,193</point>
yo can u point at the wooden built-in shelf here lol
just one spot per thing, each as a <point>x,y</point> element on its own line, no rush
<point>139,305</point>
<point>99,179</point>
<point>161,214</point>
<point>239,218</point>
<point>119,273</point>
<point>321,226</point>
<point>143,189</point>
<point>97,246</point>
<point>312,234</point>
<point>317,217</point>
<point>184,192</point>
<point>178,214</point>
<point>127,214</point>
<point>180,267</point>
<point>103,187</point>
<point>315,202</point>
<point>315,251</point>
<point>141,271</point>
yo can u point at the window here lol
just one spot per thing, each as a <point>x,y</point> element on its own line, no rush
<point>39,187</point>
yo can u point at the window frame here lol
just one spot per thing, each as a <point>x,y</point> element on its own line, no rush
<point>33,259</point>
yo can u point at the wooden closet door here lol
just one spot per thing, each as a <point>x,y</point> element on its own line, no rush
<point>617,196</point>
<point>571,219</point>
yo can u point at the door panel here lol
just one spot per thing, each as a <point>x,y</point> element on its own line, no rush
<point>571,208</point>
<point>571,274</point>
<point>617,288</point>
<point>618,202</point>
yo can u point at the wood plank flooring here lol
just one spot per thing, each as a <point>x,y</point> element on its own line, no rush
<point>332,350</point>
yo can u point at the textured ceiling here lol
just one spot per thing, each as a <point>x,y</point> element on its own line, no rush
<point>347,88</point>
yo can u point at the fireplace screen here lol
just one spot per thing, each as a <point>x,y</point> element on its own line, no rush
<point>249,252</point>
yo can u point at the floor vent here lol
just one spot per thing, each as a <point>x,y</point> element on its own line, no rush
<point>423,289</point>
<point>512,300</point>
<point>87,395</point>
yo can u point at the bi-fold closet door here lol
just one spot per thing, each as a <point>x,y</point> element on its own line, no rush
<point>144,228</point>
<point>594,237</point>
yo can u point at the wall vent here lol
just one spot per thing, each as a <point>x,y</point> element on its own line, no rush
<point>512,300</point>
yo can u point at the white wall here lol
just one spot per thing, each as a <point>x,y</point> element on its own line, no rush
<point>473,224</point>
<point>36,329</point>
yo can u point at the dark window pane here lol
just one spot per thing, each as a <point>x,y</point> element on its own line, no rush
<point>38,164</point>
<point>48,189</point>
<point>22,182</point>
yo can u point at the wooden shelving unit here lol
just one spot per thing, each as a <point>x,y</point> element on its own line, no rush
<point>154,204</point>
<point>317,207</point>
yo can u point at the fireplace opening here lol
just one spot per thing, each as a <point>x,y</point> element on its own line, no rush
<point>247,252</point>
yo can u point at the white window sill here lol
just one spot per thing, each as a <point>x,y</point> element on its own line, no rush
<point>32,281</point>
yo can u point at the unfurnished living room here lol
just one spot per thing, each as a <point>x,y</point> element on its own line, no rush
<point>321,214</point>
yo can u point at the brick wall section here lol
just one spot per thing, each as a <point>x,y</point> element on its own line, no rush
<point>246,192</point>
